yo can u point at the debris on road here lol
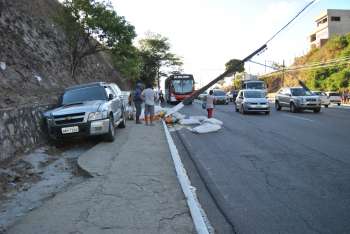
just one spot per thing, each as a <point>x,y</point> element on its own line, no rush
<point>173,118</point>
<point>189,121</point>
<point>206,128</point>
<point>213,121</point>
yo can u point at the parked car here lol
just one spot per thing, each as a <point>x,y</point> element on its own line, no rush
<point>334,97</point>
<point>232,95</point>
<point>297,99</point>
<point>325,100</point>
<point>252,100</point>
<point>220,97</point>
<point>203,96</point>
<point>87,110</point>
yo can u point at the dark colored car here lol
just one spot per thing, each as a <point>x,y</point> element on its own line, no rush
<point>220,97</point>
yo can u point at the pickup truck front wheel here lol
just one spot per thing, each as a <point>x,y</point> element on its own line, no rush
<point>111,130</point>
<point>123,121</point>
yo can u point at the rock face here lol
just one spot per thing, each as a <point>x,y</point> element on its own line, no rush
<point>34,55</point>
<point>35,68</point>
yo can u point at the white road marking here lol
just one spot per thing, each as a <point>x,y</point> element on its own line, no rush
<point>200,219</point>
<point>298,117</point>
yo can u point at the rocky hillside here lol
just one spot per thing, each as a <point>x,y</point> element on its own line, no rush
<point>34,58</point>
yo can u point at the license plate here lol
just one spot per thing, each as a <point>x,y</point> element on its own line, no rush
<point>70,130</point>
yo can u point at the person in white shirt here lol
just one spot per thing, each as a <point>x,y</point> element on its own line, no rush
<point>210,104</point>
<point>149,97</point>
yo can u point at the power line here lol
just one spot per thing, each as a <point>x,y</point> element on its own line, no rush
<point>326,64</point>
<point>285,26</point>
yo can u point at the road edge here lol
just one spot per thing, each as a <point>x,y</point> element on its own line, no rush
<point>189,191</point>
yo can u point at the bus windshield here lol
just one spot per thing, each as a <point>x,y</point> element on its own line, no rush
<point>182,85</point>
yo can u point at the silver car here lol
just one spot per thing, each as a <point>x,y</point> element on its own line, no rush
<point>297,99</point>
<point>252,100</point>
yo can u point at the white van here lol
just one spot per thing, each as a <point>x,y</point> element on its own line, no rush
<point>334,97</point>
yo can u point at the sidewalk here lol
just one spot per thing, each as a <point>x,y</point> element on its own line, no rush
<point>134,189</point>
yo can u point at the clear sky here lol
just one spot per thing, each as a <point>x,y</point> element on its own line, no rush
<point>208,33</point>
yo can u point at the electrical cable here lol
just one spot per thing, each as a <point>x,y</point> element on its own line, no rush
<point>285,26</point>
<point>311,66</point>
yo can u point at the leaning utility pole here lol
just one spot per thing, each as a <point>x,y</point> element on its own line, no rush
<point>223,75</point>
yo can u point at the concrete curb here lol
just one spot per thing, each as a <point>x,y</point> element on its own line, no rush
<point>188,190</point>
<point>82,169</point>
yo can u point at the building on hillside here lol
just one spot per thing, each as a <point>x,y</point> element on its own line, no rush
<point>330,22</point>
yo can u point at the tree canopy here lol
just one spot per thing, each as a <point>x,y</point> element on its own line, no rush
<point>155,55</point>
<point>92,26</point>
<point>236,65</point>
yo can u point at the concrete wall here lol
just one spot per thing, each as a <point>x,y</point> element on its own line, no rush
<point>21,129</point>
<point>339,27</point>
<point>330,28</point>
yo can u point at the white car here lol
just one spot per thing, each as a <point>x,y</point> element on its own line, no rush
<point>252,100</point>
<point>334,97</point>
<point>325,100</point>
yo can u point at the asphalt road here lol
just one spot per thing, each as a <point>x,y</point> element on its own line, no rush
<point>281,173</point>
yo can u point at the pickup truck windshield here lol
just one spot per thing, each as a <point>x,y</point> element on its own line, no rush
<point>84,94</point>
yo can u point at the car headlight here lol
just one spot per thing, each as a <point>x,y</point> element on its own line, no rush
<point>302,100</point>
<point>97,115</point>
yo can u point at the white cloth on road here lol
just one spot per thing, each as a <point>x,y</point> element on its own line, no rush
<point>200,118</point>
<point>206,128</point>
<point>213,121</point>
<point>189,121</point>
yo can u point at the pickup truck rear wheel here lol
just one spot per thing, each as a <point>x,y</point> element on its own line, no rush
<point>111,130</point>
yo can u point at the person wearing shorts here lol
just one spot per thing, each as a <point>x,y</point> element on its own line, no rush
<point>210,104</point>
<point>149,96</point>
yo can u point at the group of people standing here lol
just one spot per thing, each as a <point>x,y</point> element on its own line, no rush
<point>147,96</point>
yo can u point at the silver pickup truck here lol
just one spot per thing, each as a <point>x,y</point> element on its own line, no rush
<point>87,110</point>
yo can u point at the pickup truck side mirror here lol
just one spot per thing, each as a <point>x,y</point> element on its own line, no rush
<point>110,97</point>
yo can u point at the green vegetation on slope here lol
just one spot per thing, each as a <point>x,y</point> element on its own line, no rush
<point>93,26</point>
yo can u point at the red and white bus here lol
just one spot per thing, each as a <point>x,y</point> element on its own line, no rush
<point>178,87</point>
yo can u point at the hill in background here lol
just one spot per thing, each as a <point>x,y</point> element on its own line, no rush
<point>326,68</point>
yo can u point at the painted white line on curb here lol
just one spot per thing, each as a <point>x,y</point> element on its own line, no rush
<point>188,190</point>
<point>298,117</point>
